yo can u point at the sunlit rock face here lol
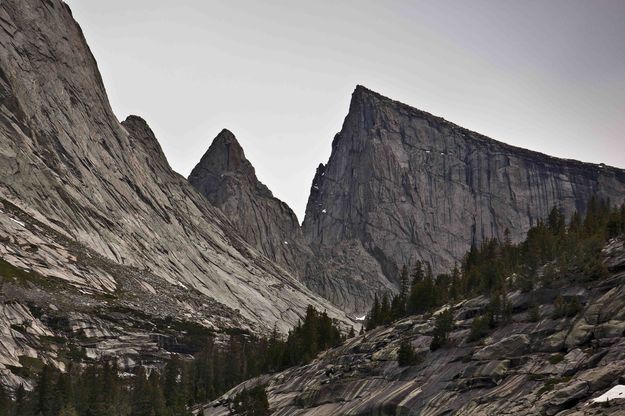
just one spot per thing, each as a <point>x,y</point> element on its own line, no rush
<point>403,185</point>
<point>92,210</point>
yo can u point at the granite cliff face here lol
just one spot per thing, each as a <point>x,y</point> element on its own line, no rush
<point>541,365</point>
<point>93,220</point>
<point>341,274</point>
<point>228,180</point>
<point>402,185</point>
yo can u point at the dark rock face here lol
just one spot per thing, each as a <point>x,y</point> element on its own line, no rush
<point>555,366</point>
<point>402,185</point>
<point>93,210</point>
<point>228,180</point>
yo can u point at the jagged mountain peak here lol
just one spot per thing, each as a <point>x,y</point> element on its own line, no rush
<point>142,139</point>
<point>361,92</point>
<point>403,185</point>
<point>363,95</point>
<point>235,153</point>
<point>100,208</point>
<point>226,156</point>
<point>226,136</point>
<point>136,120</point>
<point>370,109</point>
<point>228,180</point>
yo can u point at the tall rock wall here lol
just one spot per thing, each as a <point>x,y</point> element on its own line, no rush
<point>402,185</point>
<point>67,162</point>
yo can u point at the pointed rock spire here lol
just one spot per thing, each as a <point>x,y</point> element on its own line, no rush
<point>228,180</point>
<point>225,156</point>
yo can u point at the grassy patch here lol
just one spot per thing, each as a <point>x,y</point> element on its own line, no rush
<point>556,358</point>
<point>10,273</point>
<point>551,383</point>
<point>52,340</point>
<point>536,377</point>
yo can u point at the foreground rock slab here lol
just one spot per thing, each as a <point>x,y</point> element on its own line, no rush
<point>514,370</point>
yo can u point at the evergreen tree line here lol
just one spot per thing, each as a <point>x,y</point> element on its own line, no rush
<point>101,390</point>
<point>495,267</point>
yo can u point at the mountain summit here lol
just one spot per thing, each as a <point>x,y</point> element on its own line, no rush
<point>96,229</point>
<point>228,180</point>
<point>402,185</point>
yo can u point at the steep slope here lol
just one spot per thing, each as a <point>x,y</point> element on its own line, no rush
<point>228,180</point>
<point>402,185</point>
<point>95,224</point>
<point>532,366</point>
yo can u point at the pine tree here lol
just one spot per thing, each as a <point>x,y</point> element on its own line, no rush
<point>406,355</point>
<point>385,311</point>
<point>556,221</point>
<point>22,405</point>
<point>404,284</point>
<point>398,307</point>
<point>5,402</point>
<point>46,401</point>
<point>479,328</point>
<point>65,389</point>
<point>507,240</point>
<point>252,402</point>
<point>275,351</point>
<point>455,288</point>
<point>142,395</point>
<point>417,273</point>
<point>442,327</point>
<point>373,319</point>
<point>174,388</point>
<point>575,224</point>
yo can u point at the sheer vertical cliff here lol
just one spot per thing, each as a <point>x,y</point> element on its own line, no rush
<point>402,185</point>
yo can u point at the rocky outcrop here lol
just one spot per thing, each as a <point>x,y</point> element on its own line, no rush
<point>93,217</point>
<point>402,185</point>
<point>514,370</point>
<point>228,180</point>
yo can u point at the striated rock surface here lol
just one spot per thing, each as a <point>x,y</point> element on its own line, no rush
<point>518,369</point>
<point>90,208</point>
<point>402,185</point>
<point>228,180</point>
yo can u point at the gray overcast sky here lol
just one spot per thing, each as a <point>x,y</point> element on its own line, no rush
<point>544,75</point>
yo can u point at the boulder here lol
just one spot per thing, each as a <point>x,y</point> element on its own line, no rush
<point>511,346</point>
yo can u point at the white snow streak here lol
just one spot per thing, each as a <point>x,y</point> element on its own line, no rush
<point>616,392</point>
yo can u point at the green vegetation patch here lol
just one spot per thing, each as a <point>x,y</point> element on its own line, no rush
<point>556,359</point>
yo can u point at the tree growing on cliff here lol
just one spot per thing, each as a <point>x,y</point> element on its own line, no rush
<point>406,355</point>
<point>443,325</point>
<point>252,402</point>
